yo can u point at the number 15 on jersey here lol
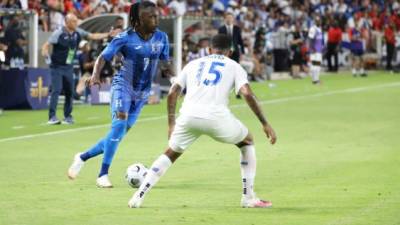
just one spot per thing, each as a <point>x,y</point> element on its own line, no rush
<point>213,76</point>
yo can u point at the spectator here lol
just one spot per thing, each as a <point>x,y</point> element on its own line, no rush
<point>334,42</point>
<point>247,59</point>
<point>15,41</point>
<point>65,43</point>
<point>357,51</point>
<point>3,49</point>
<point>235,33</point>
<point>204,47</point>
<point>56,9</point>
<point>178,7</point>
<point>193,53</point>
<point>390,40</point>
<point>316,47</point>
<point>11,4</point>
<point>296,42</point>
<point>87,58</point>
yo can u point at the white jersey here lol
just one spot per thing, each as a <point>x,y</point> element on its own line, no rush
<point>208,82</point>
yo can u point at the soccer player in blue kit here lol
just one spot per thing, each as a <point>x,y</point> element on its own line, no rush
<point>142,46</point>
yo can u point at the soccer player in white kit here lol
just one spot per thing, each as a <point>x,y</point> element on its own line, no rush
<point>208,82</point>
<point>316,45</point>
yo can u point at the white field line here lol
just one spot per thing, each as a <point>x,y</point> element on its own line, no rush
<point>280,100</point>
<point>93,118</point>
<point>17,127</point>
<point>350,90</point>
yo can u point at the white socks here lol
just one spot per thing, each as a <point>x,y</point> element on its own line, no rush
<point>357,72</point>
<point>157,170</point>
<point>248,169</point>
<point>315,70</point>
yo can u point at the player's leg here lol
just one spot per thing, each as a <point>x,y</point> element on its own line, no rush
<point>180,139</point>
<point>231,130</point>
<point>68,85</point>
<point>156,171</point>
<point>134,112</point>
<point>121,104</point>
<point>354,64</point>
<point>248,164</point>
<point>98,148</point>
<point>56,86</point>
<point>362,66</point>
<point>315,69</point>
<point>119,108</point>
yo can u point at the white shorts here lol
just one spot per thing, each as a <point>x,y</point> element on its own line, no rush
<point>225,129</point>
<point>316,57</point>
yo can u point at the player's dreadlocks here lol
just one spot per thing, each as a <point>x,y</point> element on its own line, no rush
<point>134,12</point>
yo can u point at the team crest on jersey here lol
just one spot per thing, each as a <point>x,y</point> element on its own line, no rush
<point>75,36</point>
<point>156,47</point>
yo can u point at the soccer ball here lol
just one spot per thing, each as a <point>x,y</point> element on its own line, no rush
<point>135,174</point>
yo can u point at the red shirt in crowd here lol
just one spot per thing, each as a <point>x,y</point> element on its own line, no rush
<point>396,20</point>
<point>390,36</point>
<point>334,35</point>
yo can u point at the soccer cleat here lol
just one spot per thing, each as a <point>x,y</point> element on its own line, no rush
<point>136,201</point>
<point>76,166</point>
<point>68,120</point>
<point>316,82</point>
<point>103,182</point>
<point>255,203</point>
<point>53,121</point>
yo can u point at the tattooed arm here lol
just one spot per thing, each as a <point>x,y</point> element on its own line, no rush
<point>251,100</point>
<point>173,95</point>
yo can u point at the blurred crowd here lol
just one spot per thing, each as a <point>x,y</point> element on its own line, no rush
<point>269,29</point>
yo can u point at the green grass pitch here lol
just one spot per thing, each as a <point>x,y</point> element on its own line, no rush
<point>336,162</point>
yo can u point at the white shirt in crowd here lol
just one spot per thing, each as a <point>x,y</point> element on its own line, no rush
<point>179,7</point>
<point>208,82</point>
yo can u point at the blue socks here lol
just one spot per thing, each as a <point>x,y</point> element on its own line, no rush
<point>96,150</point>
<point>104,169</point>
<point>118,130</point>
<point>111,142</point>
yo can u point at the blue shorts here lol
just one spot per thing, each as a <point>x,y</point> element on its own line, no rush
<point>357,52</point>
<point>123,102</point>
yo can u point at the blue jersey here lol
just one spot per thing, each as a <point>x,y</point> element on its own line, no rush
<point>356,44</point>
<point>140,60</point>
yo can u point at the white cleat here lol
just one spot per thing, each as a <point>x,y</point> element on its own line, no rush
<point>76,166</point>
<point>255,203</point>
<point>103,182</point>
<point>136,201</point>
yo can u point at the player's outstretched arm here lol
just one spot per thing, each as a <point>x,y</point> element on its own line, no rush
<point>251,100</point>
<point>98,66</point>
<point>173,95</point>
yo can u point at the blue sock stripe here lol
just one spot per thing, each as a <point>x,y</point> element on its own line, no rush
<point>96,150</point>
<point>104,169</point>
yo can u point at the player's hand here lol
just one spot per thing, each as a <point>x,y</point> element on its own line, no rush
<point>93,80</point>
<point>114,32</point>
<point>270,133</point>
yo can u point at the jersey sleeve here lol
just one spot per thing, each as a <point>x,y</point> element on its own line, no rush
<point>113,47</point>
<point>240,78</point>
<point>165,50</point>
<point>181,78</point>
<point>53,39</point>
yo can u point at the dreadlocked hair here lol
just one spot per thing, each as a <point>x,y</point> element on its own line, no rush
<point>134,12</point>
